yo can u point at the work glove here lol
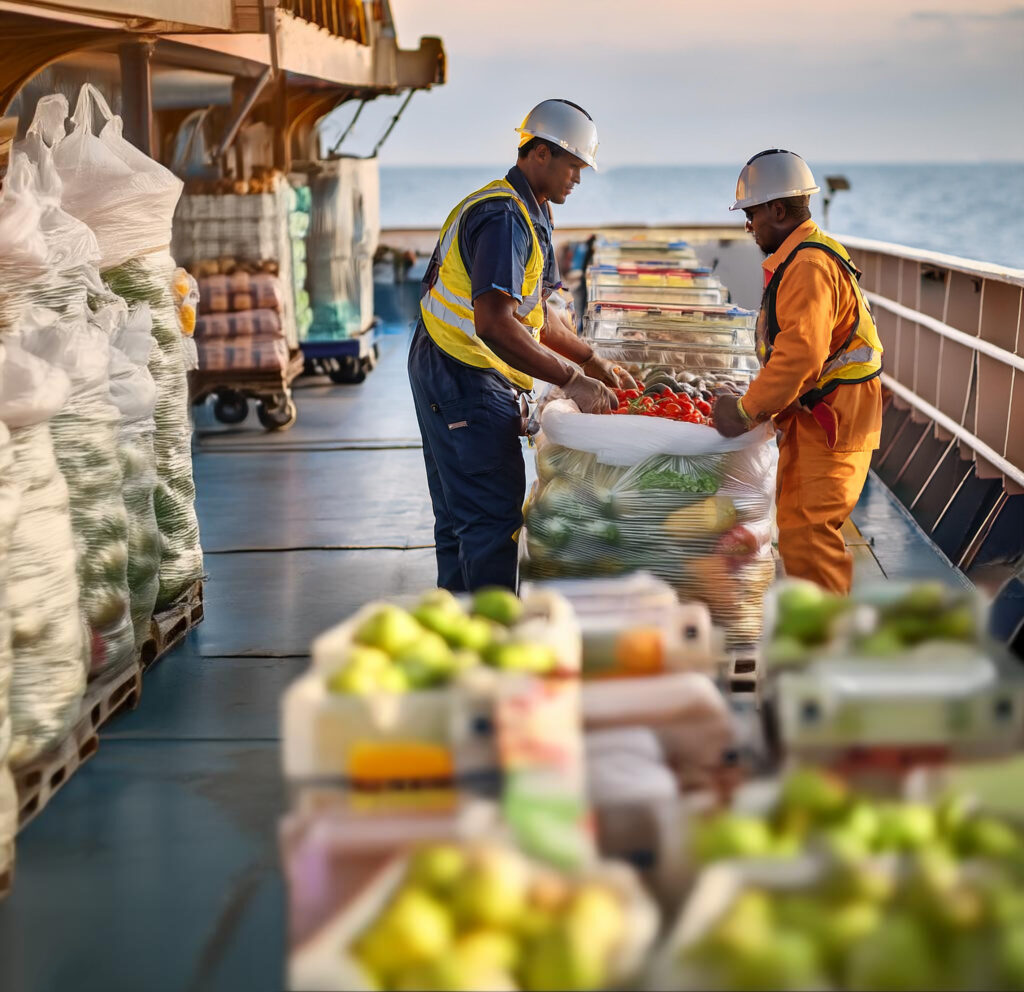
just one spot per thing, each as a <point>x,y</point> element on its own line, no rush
<point>608,372</point>
<point>588,394</point>
<point>729,422</point>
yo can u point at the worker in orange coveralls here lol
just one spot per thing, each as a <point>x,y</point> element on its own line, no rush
<point>821,360</point>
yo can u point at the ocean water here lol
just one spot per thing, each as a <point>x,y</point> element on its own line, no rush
<point>975,211</point>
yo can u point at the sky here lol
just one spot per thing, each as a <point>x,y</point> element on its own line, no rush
<point>675,82</point>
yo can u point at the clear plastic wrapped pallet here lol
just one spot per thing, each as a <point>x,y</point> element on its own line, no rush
<point>620,494</point>
<point>133,391</point>
<point>684,325</point>
<point>24,258</point>
<point>84,435</point>
<point>630,251</point>
<point>653,285</point>
<point>49,640</point>
<point>9,503</point>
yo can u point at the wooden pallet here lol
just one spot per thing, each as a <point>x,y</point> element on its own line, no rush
<point>169,627</point>
<point>38,781</point>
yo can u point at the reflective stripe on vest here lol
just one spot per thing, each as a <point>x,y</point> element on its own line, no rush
<point>859,357</point>
<point>447,307</point>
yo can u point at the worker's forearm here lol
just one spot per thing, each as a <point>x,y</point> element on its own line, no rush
<point>515,346</point>
<point>558,337</point>
<point>780,383</point>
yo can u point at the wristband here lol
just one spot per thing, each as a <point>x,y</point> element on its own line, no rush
<point>747,419</point>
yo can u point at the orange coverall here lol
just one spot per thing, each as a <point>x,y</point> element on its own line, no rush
<point>818,484</point>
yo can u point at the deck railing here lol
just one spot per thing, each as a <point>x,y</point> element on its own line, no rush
<point>954,348</point>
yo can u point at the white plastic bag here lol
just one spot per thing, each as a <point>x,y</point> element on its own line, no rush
<point>49,642</point>
<point>23,257</point>
<point>618,494</point>
<point>85,444</point>
<point>127,198</point>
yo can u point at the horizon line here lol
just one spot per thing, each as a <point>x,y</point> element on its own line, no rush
<point>710,165</point>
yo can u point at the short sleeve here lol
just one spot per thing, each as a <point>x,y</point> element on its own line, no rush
<point>496,245</point>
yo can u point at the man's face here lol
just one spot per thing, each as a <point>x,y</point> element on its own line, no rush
<point>759,223</point>
<point>561,175</point>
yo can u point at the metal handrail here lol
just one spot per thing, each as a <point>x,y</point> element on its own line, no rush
<point>960,433</point>
<point>968,340</point>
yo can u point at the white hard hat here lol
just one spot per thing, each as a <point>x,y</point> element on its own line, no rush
<point>773,175</point>
<point>566,125</point>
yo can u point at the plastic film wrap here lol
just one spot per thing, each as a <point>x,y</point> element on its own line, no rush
<point>23,259</point>
<point>148,280</point>
<point>48,639</point>
<point>133,392</point>
<point>84,435</point>
<point>9,503</point>
<point>621,494</point>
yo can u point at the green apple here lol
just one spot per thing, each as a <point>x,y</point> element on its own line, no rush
<point>520,656</point>
<point>790,960</point>
<point>418,927</point>
<point>360,672</point>
<point>598,912</point>
<point>389,628</point>
<point>475,634</point>
<point>988,837</point>
<point>927,598</point>
<point>805,612</point>
<point>952,813</point>
<point>854,882</point>
<point>906,826</point>
<point>731,835</point>
<point>785,650</point>
<point>440,620</point>
<point>488,950</point>
<point>492,892</point>
<point>1011,957</point>
<point>393,680</point>
<point>823,795</point>
<point>895,957</point>
<point>885,642</point>
<point>563,960</point>
<point>862,820</point>
<point>437,868</point>
<point>748,924</point>
<point>427,660</point>
<point>845,925</point>
<point>440,599</point>
<point>374,951</point>
<point>957,624</point>
<point>452,974</point>
<point>498,604</point>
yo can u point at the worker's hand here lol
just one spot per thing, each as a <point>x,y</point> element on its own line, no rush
<point>608,372</point>
<point>729,422</point>
<point>588,394</point>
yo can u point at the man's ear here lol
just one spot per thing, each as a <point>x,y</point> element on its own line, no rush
<point>778,209</point>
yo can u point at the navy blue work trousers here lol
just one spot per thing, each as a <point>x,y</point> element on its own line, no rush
<point>469,419</point>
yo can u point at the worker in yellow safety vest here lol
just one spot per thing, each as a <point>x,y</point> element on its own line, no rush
<point>484,333</point>
<point>821,360</point>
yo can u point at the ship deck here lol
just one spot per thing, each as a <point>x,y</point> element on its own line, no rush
<point>156,867</point>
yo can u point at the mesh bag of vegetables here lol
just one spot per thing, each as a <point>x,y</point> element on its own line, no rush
<point>133,392</point>
<point>48,639</point>
<point>148,281</point>
<point>84,435</point>
<point>620,494</point>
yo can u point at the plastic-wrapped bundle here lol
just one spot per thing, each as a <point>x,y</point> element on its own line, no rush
<point>9,503</point>
<point>49,640</point>
<point>133,392</point>
<point>24,256</point>
<point>622,494</point>
<point>148,280</point>
<point>691,325</point>
<point>653,284</point>
<point>625,251</point>
<point>84,435</point>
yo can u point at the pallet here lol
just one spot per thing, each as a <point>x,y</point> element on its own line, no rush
<point>168,627</point>
<point>39,780</point>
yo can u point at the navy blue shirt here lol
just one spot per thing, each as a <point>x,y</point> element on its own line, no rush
<point>495,242</point>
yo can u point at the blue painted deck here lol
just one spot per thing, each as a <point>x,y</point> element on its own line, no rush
<point>156,867</point>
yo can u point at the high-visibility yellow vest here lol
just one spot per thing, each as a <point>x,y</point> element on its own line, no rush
<point>447,307</point>
<point>859,357</point>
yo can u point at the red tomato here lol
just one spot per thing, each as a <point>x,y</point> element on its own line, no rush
<point>671,410</point>
<point>703,406</point>
<point>647,402</point>
<point>631,394</point>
